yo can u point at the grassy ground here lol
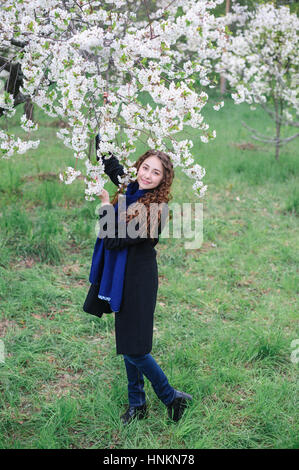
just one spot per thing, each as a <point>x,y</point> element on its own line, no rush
<point>225,318</point>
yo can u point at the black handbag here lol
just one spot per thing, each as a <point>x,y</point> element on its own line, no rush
<point>93,304</point>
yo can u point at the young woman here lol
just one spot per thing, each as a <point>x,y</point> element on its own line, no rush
<point>124,279</point>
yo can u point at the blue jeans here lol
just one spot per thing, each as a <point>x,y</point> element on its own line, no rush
<point>137,366</point>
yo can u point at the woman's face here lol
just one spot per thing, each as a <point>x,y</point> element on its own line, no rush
<point>150,173</point>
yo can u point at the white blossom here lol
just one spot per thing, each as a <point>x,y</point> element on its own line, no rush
<point>261,63</point>
<point>78,47</point>
<point>261,60</point>
<point>69,175</point>
<point>27,124</point>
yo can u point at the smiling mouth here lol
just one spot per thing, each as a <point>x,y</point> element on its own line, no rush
<point>145,182</point>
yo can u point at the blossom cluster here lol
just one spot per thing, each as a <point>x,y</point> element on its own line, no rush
<point>10,144</point>
<point>69,175</point>
<point>261,60</point>
<point>74,51</point>
<point>27,124</point>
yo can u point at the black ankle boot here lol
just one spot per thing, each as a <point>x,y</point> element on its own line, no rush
<point>132,412</point>
<point>177,406</point>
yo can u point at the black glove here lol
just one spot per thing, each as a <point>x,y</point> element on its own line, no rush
<point>98,139</point>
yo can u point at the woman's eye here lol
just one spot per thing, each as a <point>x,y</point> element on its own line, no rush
<point>145,168</point>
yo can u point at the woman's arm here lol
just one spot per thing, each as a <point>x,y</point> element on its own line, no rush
<point>112,166</point>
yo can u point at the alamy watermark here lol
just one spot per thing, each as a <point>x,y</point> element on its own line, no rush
<point>295,353</point>
<point>187,221</point>
<point>2,358</point>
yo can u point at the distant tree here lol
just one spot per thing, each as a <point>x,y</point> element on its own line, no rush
<point>261,63</point>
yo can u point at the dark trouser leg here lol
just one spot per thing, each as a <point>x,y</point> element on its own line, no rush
<point>147,365</point>
<point>136,392</point>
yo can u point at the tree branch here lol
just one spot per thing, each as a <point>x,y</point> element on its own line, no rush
<point>281,119</point>
<point>263,138</point>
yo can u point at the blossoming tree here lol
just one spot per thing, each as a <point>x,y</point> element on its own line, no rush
<point>66,54</point>
<point>261,64</point>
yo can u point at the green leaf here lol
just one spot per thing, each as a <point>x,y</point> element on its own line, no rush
<point>187,117</point>
<point>30,26</point>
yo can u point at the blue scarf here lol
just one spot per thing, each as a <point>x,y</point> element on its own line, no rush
<point>112,262</point>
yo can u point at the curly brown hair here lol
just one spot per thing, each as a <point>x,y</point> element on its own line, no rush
<point>159,195</point>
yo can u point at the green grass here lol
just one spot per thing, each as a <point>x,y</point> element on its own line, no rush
<point>225,318</point>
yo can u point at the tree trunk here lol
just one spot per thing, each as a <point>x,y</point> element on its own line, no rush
<point>278,125</point>
<point>222,85</point>
<point>28,109</point>
<point>277,150</point>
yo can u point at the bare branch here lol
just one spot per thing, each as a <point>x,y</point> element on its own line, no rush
<point>22,44</point>
<point>280,118</point>
<point>288,139</point>
<point>262,138</point>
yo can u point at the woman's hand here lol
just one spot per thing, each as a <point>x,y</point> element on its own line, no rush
<point>105,96</point>
<point>104,196</point>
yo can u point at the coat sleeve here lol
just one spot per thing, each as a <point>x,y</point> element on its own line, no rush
<point>112,166</point>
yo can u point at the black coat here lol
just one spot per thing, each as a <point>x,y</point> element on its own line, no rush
<point>135,319</point>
